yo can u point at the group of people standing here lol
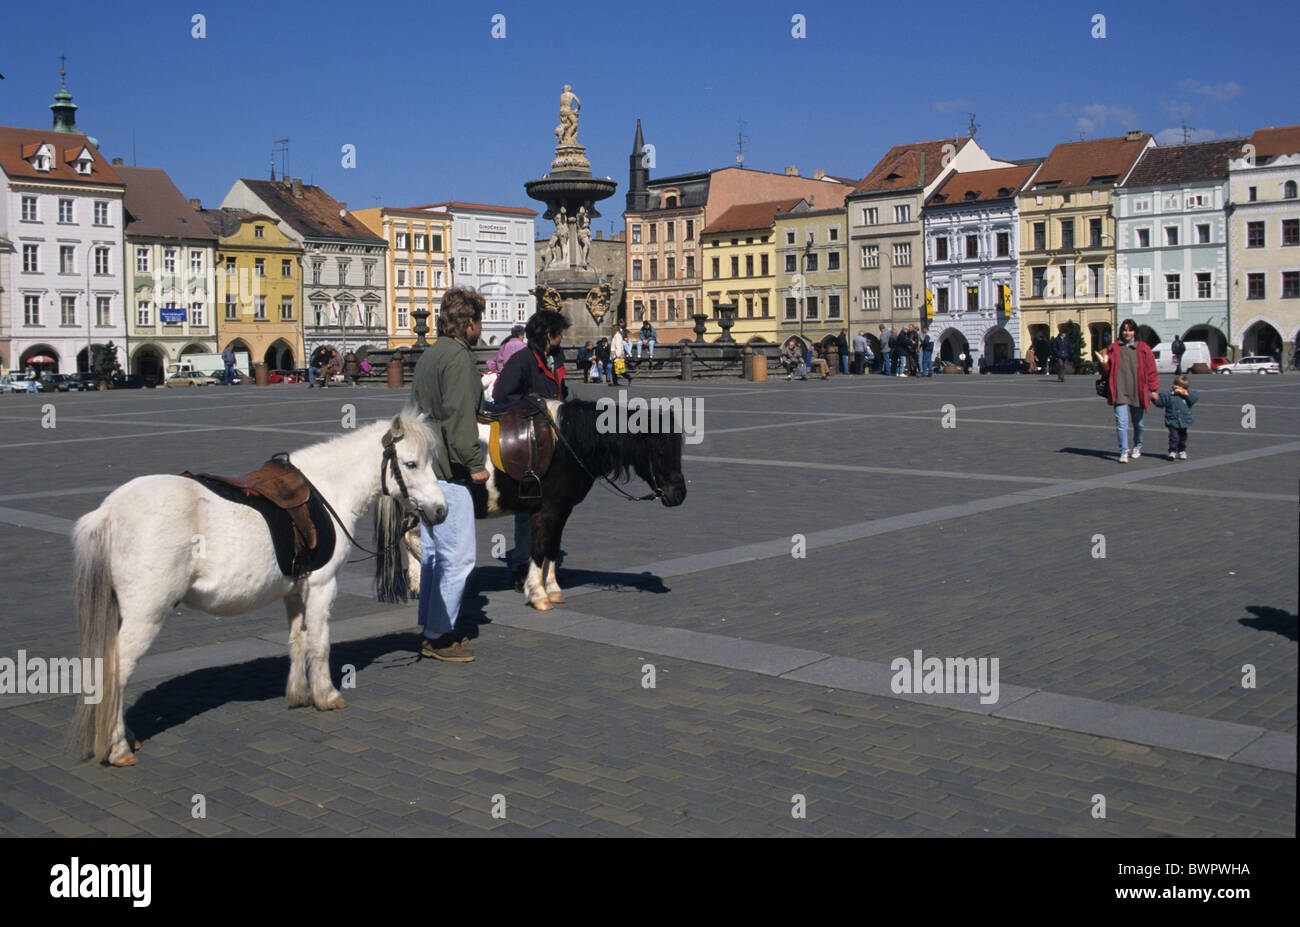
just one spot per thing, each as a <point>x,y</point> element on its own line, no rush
<point>908,352</point>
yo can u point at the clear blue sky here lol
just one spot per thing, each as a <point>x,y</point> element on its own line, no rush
<point>438,109</point>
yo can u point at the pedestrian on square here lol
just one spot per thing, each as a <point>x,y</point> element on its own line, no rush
<point>860,352</point>
<point>913,351</point>
<point>886,349</point>
<point>927,353</point>
<point>1031,360</point>
<point>1178,349</point>
<point>1130,366</point>
<point>447,390</point>
<point>1062,349</point>
<point>842,343</point>
<point>228,358</point>
<point>896,352</point>
<point>1177,404</point>
<point>618,357</point>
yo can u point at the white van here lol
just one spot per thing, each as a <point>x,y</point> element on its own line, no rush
<point>1198,352</point>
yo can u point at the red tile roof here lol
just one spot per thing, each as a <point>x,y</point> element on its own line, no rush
<point>480,207</point>
<point>1078,164</point>
<point>900,168</point>
<point>1271,142</point>
<point>17,145</point>
<point>994,184</point>
<point>155,208</point>
<point>748,216</point>
<point>316,215</point>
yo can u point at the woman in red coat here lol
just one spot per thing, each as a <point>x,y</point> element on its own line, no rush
<point>1131,368</point>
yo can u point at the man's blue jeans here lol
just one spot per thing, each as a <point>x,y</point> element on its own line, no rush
<point>230,374</point>
<point>886,363</point>
<point>446,560</point>
<point>1122,416</point>
<point>927,363</point>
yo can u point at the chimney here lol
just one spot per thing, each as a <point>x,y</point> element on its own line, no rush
<point>600,236</point>
<point>297,188</point>
<point>1133,135</point>
<point>791,171</point>
<point>117,162</point>
<point>819,174</point>
<point>196,204</point>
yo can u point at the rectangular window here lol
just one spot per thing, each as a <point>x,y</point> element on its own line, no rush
<point>871,298</point>
<point>902,213</point>
<point>972,247</point>
<point>1203,286</point>
<point>1171,236</point>
<point>810,308</point>
<point>68,310</point>
<point>259,309</point>
<point>343,273</point>
<point>65,211</point>
<point>735,265</point>
<point>903,297</point>
<point>1040,236</point>
<point>464,266</point>
<point>1203,233</point>
<point>286,308</point>
<point>672,268</point>
<point>368,272</point>
<point>421,241</point>
<point>871,255</point>
<point>834,233</point>
<point>636,233</point>
<point>1143,286</point>
<point>1040,282</point>
<point>196,315</point>
<point>1252,194</point>
<point>259,267</point>
<point>101,212</point>
<point>654,232</point>
<point>903,254</point>
<point>143,314</point>
<point>672,308</point>
<point>870,215</point>
<point>749,307</point>
<point>403,318</point>
<point>142,260</point>
<point>636,268</point>
<point>1097,279</point>
<point>1254,234</point>
<point>1254,286</point>
<point>832,306</point>
<point>317,268</point>
<point>791,309</point>
<point>940,249</point>
<point>1004,244</point>
<point>716,271</point>
<point>670,231</point>
<point>29,209</point>
<point>286,267</point>
<point>1067,233</point>
<point>259,231</point>
<point>749,265</point>
<point>690,233</point>
<point>941,299</point>
<point>101,261</point>
<point>1173,286</point>
<point>791,263</point>
<point>318,310</point>
<point>196,262</point>
<point>1291,284</point>
<point>810,262</point>
<point>1067,281</point>
<point>169,260</point>
<point>67,259</point>
<point>401,276</point>
<point>972,299</point>
<point>232,308</point>
<point>1144,238</point>
<point>1094,230</point>
<point>31,310</point>
<point>690,266</point>
<point>654,310</point>
<point>419,277</point>
<point>103,311</point>
<point>1290,233</point>
<point>690,306</point>
<point>654,268</point>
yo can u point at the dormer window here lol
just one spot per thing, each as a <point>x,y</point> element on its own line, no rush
<point>972,194</point>
<point>42,161</point>
<point>83,166</point>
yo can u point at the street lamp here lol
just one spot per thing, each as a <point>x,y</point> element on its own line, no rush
<point>89,337</point>
<point>803,285</point>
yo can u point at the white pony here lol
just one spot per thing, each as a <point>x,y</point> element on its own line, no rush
<point>161,540</point>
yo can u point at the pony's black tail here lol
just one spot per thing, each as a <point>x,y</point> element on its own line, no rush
<point>391,581</point>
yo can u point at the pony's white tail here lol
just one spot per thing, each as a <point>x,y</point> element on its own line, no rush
<point>97,625</point>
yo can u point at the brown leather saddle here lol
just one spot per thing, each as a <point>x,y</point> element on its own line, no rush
<point>300,526</point>
<point>522,443</point>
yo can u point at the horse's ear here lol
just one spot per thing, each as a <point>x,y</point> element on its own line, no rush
<point>396,426</point>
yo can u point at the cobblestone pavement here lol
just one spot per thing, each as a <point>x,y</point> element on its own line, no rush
<point>831,528</point>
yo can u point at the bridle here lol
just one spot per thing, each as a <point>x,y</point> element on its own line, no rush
<point>658,492</point>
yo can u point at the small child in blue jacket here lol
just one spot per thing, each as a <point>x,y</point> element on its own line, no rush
<point>1177,404</point>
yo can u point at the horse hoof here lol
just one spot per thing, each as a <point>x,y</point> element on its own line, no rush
<point>556,597</point>
<point>336,704</point>
<point>128,760</point>
<point>542,605</point>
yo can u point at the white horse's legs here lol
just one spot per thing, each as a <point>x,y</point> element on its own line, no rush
<point>411,542</point>
<point>550,583</point>
<point>535,588</point>
<point>140,625</point>
<point>296,691</point>
<point>319,600</point>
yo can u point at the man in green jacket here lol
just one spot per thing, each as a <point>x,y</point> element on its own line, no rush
<point>448,390</point>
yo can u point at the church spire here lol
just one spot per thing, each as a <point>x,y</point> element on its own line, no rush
<point>638,198</point>
<point>65,111</point>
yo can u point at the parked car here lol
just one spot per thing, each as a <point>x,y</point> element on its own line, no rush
<point>55,383</point>
<point>237,376</point>
<point>84,380</point>
<point>1255,363</point>
<point>283,376</point>
<point>132,381</point>
<point>13,383</point>
<point>1008,365</point>
<point>1217,362</point>
<point>190,379</point>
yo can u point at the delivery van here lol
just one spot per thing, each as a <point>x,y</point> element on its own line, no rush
<point>1198,352</point>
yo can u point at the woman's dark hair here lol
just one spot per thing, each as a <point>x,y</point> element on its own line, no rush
<point>1129,323</point>
<point>545,322</point>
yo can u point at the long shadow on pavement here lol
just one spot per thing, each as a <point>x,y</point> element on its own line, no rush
<point>1272,619</point>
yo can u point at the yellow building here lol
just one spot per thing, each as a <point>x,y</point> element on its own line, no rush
<point>739,250</point>
<point>419,265</point>
<point>259,288</point>
<point>812,273</point>
<point>1067,240</point>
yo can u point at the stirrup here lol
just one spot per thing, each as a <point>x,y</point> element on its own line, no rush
<point>537,481</point>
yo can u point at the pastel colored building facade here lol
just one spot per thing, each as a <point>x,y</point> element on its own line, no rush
<point>1264,244</point>
<point>972,245</point>
<point>1171,250</point>
<point>492,252</point>
<point>740,272</point>
<point>344,264</point>
<point>419,265</point>
<point>170,257</point>
<point>886,234</point>
<point>1067,240</point>
<point>259,288</point>
<point>812,273</point>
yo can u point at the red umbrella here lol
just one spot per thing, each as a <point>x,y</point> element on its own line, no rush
<point>40,359</point>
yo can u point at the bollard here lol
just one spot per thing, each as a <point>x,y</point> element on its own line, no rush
<point>688,365</point>
<point>832,359</point>
<point>260,375</point>
<point>396,374</point>
<point>759,372</point>
<point>747,363</point>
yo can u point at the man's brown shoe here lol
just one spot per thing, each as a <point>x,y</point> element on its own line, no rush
<point>448,652</point>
